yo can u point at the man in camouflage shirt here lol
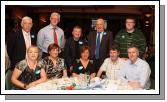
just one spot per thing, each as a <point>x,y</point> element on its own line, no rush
<point>129,36</point>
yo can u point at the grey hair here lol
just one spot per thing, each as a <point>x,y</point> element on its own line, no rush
<point>55,14</point>
<point>105,23</point>
<point>100,19</point>
<point>26,18</point>
<point>134,46</point>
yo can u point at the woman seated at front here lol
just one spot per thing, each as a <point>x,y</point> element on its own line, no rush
<point>30,71</point>
<point>54,66</point>
<point>84,65</point>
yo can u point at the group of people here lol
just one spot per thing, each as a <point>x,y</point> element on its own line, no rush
<point>35,59</point>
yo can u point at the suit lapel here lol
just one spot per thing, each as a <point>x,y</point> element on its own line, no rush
<point>33,38</point>
<point>22,43</point>
<point>94,39</point>
<point>103,37</point>
<point>22,40</point>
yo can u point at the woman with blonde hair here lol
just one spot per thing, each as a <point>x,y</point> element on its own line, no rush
<point>30,71</point>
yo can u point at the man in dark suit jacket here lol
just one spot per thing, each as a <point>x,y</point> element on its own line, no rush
<point>72,48</point>
<point>100,42</point>
<point>17,42</point>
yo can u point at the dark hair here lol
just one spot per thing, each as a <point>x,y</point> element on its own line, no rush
<point>77,27</point>
<point>52,46</point>
<point>114,47</point>
<point>130,17</point>
<point>133,46</point>
<point>83,48</point>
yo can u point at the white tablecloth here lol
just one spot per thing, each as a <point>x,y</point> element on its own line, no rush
<point>80,83</point>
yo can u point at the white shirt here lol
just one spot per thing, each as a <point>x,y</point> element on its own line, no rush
<point>112,69</point>
<point>27,39</point>
<point>139,71</point>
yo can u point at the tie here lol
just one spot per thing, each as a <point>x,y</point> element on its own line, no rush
<point>97,46</point>
<point>55,36</point>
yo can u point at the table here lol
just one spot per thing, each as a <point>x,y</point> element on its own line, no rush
<point>82,83</point>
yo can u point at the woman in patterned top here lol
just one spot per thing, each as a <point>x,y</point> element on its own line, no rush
<point>84,65</point>
<point>54,66</point>
<point>30,71</point>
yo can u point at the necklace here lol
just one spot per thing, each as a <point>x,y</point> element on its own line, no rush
<point>31,66</point>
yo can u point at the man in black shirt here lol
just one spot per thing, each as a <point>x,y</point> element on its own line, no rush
<point>72,48</point>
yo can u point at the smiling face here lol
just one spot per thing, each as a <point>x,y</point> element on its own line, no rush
<point>26,25</point>
<point>114,55</point>
<point>32,53</point>
<point>54,20</point>
<point>100,25</point>
<point>54,53</point>
<point>130,24</point>
<point>133,54</point>
<point>76,33</point>
<point>85,54</point>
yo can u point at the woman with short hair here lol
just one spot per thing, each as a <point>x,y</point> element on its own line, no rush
<point>84,65</point>
<point>55,66</point>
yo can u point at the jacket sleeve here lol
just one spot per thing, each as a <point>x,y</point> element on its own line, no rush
<point>67,58</point>
<point>11,44</point>
<point>89,39</point>
<point>110,39</point>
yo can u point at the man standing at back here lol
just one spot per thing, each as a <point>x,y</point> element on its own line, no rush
<point>50,34</point>
<point>128,36</point>
<point>19,41</point>
<point>100,42</point>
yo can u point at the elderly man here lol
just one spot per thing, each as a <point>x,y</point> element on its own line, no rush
<point>130,35</point>
<point>136,72</point>
<point>100,42</point>
<point>19,41</point>
<point>112,65</point>
<point>50,34</point>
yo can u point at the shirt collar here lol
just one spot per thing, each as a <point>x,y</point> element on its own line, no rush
<point>25,33</point>
<point>100,32</point>
<point>136,63</point>
<point>51,27</point>
<point>115,63</point>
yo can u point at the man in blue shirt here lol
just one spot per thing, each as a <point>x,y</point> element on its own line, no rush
<point>136,72</point>
<point>50,34</point>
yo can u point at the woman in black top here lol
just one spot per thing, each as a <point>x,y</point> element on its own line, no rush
<point>30,71</point>
<point>72,48</point>
<point>84,65</point>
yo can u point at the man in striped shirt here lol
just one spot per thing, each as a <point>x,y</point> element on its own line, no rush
<point>129,36</point>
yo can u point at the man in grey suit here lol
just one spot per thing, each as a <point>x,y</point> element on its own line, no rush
<point>100,42</point>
